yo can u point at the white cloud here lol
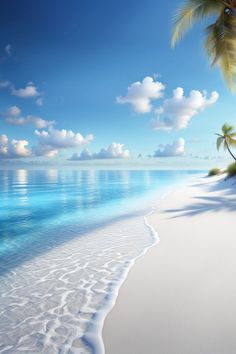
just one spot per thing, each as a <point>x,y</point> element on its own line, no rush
<point>62,138</point>
<point>52,141</point>
<point>13,149</point>
<point>39,101</point>
<point>168,150</point>
<point>49,143</point>
<point>12,116</point>
<point>140,94</point>
<point>38,122</point>
<point>84,155</point>
<point>176,112</point>
<point>29,91</point>
<point>18,148</point>
<point>3,145</point>
<point>114,151</point>
<point>13,111</point>
<point>8,50</point>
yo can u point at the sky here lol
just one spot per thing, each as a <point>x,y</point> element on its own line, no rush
<point>84,80</point>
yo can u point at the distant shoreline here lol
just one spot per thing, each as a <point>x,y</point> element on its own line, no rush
<point>145,163</point>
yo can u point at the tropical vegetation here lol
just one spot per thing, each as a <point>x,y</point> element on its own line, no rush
<point>231,170</point>
<point>214,172</point>
<point>220,40</point>
<point>227,138</point>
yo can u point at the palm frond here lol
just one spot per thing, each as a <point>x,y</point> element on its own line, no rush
<point>220,45</point>
<point>191,11</point>
<point>219,142</point>
<point>227,129</point>
<point>231,141</point>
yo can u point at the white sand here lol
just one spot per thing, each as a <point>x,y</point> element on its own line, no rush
<point>180,298</point>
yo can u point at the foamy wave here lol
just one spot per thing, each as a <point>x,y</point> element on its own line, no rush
<point>57,301</point>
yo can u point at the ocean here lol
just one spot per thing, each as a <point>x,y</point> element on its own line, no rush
<point>67,240</point>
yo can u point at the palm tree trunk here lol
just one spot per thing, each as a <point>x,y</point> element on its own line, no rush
<point>229,150</point>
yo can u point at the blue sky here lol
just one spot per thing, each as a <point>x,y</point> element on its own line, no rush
<point>74,58</point>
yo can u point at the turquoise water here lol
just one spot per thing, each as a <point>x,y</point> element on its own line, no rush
<point>44,204</point>
<point>66,237</point>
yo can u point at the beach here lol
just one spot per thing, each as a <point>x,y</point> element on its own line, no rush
<point>69,239</point>
<point>179,298</point>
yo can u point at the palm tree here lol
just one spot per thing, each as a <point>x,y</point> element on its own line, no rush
<point>220,40</point>
<point>227,137</point>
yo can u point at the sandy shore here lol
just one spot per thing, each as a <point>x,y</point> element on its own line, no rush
<point>180,298</point>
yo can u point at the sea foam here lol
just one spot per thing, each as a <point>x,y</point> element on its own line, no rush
<point>57,302</point>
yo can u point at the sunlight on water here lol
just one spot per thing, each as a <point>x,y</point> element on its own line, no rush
<point>66,238</point>
<point>35,203</point>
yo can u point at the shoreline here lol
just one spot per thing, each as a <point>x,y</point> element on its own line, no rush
<point>145,296</point>
<point>78,278</point>
<point>103,282</point>
<point>93,337</point>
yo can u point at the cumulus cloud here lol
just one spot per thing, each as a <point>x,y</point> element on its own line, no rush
<point>12,116</point>
<point>168,150</point>
<point>176,112</point>
<point>84,155</point>
<point>49,143</point>
<point>38,122</point>
<point>62,138</point>
<point>29,91</point>
<point>52,141</point>
<point>18,148</point>
<point>13,111</point>
<point>140,94</point>
<point>114,151</point>
<point>8,50</point>
<point>14,148</point>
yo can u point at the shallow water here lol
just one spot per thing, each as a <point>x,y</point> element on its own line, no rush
<point>66,240</point>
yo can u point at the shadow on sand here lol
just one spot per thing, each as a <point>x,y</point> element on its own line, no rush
<point>226,201</point>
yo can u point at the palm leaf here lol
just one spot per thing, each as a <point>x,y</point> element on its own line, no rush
<point>227,129</point>
<point>231,141</point>
<point>221,46</point>
<point>191,11</point>
<point>219,142</point>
